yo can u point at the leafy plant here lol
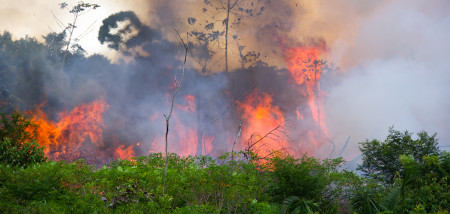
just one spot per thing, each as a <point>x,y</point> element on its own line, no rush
<point>381,159</point>
<point>18,144</point>
<point>294,205</point>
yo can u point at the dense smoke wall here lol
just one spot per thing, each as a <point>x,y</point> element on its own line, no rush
<point>387,66</point>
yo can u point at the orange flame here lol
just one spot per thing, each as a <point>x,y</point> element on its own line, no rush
<point>189,105</point>
<point>124,153</point>
<point>83,124</point>
<point>305,67</point>
<point>183,138</point>
<point>261,118</point>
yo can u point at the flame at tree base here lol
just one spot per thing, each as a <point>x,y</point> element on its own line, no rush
<point>264,123</point>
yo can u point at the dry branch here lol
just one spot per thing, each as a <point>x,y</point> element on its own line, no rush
<point>178,86</point>
<point>272,134</point>
<point>237,137</point>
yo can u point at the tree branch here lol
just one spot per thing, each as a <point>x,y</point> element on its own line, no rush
<point>237,137</point>
<point>178,86</point>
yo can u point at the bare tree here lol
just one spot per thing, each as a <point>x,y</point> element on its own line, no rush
<point>237,137</point>
<point>177,89</point>
<point>235,12</point>
<point>76,11</point>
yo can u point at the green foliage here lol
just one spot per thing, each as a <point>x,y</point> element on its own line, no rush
<point>197,209</point>
<point>413,175</point>
<point>18,144</point>
<point>366,196</point>
<point>51,187</point>
<point>294,204</point>
<point>244,184</point>
<point>424,187</point>
<point>381,159</point>
<point>264,208</point>
<point>307,178</point>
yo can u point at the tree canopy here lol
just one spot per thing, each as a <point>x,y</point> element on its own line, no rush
<point>381,158</point>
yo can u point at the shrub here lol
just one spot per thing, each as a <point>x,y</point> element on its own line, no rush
<point>18,144</point>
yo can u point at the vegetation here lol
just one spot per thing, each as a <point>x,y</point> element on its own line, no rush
<point>18,146</point>
<point>400,174</point>
<point>242,184</point>
<point>403,175</point>
<point>381,159</point>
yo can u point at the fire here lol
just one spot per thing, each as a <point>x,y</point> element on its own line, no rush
<point>189,105</point>
<point>299,115</point>
<point>183,137</point>
<point>305,67</point>
<point>262,119</point>
<point>84,124</point>
<point>207,144</point>
<point>124,153</point>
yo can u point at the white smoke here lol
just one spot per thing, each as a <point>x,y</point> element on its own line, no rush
<point>397,73</point>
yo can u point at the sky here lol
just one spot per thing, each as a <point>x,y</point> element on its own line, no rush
<point>391,56</point>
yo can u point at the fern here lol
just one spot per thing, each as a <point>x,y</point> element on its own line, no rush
<point>296,205</point>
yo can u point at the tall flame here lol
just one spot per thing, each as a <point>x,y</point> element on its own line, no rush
<point>305,67</point>
<point>263,121</point>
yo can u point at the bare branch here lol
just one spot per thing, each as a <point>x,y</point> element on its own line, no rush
<point>178,86</point>
<point>237,137</point>
<point>267,134</point>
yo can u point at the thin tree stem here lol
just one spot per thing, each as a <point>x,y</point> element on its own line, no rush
<point>178,86</point>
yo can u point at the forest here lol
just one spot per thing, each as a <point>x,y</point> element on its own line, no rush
<point>400,175</point>
<point>194,121</point>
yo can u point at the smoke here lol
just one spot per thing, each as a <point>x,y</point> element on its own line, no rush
<point>388,65</point>
<point>396,73</point>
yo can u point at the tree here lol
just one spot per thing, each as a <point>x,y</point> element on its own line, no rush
<point>381,159</point>
<point>235,11</point>
<point>177,89</point>
<point>301,183</point>
<point>23,63</point>
<point>76,11</point>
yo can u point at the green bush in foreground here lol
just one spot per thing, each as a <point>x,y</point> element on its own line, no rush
<point>403,175</point>
<point>194,185</point>
<point>18,144</point>
<point>244,184</point>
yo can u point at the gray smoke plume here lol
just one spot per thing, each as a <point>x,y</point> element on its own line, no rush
<point>388,65</point>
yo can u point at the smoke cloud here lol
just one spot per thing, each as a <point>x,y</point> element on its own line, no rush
<point>396,73</point>
<point>387,65</point>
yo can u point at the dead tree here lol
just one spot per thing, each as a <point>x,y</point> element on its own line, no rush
<point>237,137</point>
<point>178,86</point>
<point>76,11</point>
<point>235,11</point>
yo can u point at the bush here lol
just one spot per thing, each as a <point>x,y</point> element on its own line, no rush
<point>18,144</point>
<point>308,179</point>
<point>50,187</point>
<point>381,158</point>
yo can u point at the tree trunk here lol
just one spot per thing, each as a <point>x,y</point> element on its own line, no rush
<point>68,43</point>
<point>226,36</point>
